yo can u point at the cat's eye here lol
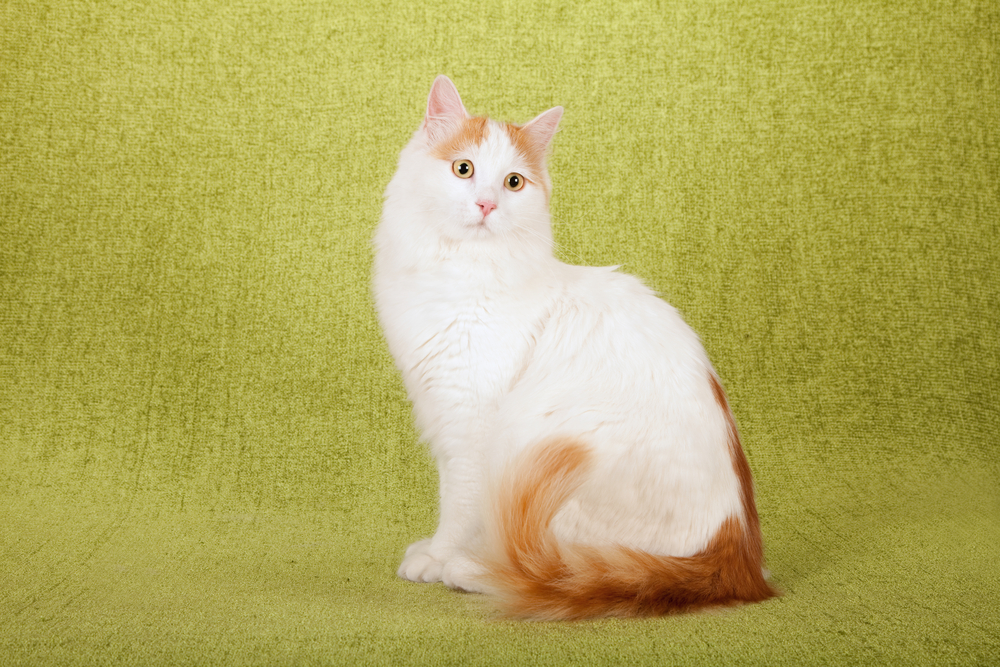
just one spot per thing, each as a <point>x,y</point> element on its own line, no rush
<point>462,168</point>
<point>514,182</point>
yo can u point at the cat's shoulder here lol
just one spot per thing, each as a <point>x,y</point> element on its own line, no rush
<point>604,284</point>
<point>619,298</point>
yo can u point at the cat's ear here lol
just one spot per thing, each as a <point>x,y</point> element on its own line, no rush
<point>543,126</point>
<point>445,111</point>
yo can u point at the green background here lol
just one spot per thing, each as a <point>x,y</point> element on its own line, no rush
<point>206,456</point>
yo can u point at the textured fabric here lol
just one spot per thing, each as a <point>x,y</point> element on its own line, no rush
<point>206,455</point>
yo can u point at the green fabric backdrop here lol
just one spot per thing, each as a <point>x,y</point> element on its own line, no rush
<point>206,456</point>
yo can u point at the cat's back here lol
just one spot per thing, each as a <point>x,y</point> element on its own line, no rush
<point>619,368</point>
<point>618,309</point>
<point>610,352</point>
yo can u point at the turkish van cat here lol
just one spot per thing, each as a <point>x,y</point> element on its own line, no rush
<point>589,463</point>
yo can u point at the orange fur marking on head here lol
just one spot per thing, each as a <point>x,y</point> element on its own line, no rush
<point>528,148</point>
<point>471,132</point>
<point>536,577</point>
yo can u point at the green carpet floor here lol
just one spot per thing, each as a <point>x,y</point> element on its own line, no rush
<point>206,456</point>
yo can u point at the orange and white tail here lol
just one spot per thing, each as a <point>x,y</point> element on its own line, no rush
<point>536,577</point>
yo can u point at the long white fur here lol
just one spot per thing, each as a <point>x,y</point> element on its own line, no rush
<point>501,346</point>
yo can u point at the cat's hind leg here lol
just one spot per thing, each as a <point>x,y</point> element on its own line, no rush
<point>419,565</point>
<point>463,574</point>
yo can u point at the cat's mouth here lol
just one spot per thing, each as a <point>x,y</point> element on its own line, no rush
<point>482,224</point>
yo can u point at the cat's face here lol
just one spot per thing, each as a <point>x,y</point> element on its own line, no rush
<point>477,179</point>
<point>490,180</point>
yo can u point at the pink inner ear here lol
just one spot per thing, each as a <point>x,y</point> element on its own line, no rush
<point>543,126</point>
<point>445,110</point>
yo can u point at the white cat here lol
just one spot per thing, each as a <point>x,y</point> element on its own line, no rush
<point>589,463</point>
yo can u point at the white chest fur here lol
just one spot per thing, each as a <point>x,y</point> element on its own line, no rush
<point>459,337</point>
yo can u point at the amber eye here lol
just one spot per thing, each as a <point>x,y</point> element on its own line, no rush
<point>514,182</point>
<point>462,168</point>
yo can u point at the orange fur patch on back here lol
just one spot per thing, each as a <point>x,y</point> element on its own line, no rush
<point>753,541</point>
<point>536,577</point>
<point>471,132</point>
<point>740,464</point>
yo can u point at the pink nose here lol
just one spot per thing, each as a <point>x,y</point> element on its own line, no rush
<point>485,205</point>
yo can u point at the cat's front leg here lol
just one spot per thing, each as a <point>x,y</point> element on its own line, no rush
<point>458,571</point>
<point>445,557</point>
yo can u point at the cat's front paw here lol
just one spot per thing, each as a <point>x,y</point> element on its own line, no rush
<point>419,565</point>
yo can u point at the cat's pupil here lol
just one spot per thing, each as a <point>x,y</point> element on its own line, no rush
<point>513,181</point>
<point>463,168</point>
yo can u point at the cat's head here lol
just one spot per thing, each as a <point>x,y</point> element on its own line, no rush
<point>473,178</point>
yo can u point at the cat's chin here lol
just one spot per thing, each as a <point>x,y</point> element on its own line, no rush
<point>481,229</point>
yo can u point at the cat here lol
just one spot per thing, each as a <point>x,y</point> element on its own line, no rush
<point>589,464</point>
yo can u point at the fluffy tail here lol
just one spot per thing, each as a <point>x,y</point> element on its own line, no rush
<point>536,577</point>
